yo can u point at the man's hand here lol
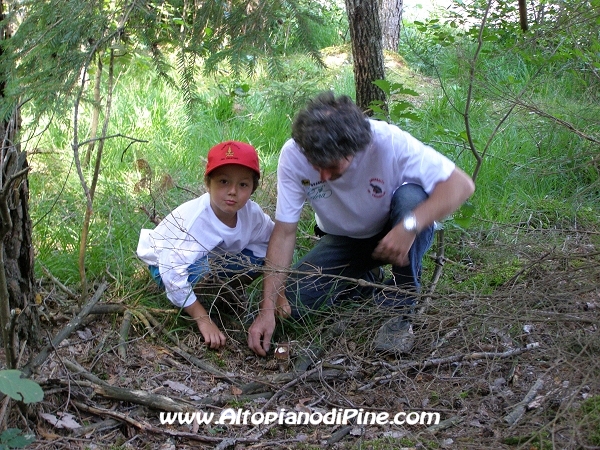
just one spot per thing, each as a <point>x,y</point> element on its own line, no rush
<point>277,262</point>
<point>260,332</point>
<point>283,309</point>
<point>394,246</point>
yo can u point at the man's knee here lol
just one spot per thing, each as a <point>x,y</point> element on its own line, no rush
<point>408,196</point>
<point>405,199</point>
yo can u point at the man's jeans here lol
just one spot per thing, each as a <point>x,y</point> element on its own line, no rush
<point>315,281</point>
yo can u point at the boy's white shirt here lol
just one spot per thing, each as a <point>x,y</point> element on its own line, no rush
<point>193,230</point>
<point>358,203</point>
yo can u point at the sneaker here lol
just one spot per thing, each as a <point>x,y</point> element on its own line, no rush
<point>377,275</point>
<point>395,336</point>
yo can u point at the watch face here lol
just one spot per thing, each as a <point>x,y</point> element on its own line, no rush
<point>410,223</point>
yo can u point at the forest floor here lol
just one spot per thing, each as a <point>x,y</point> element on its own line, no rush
<point>507,355</point>
<point>514,367</point>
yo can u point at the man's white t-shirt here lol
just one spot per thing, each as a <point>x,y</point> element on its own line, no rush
<point>193,230</point>
<point>358,203</point>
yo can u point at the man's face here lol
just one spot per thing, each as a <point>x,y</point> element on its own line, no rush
<point>335,170</point>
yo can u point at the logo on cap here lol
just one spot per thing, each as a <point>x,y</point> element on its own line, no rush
<point>232,152</point>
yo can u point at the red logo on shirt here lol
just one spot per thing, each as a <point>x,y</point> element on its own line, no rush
<point>376,187</point>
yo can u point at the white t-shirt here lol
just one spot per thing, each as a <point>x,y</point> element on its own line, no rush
<point>358,203</point>
<point>190,232</point>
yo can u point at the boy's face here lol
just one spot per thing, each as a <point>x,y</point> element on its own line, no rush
<point>230,187</point>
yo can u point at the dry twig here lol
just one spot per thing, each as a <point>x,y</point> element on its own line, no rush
<point>513,417</point>
<point>38,360</point>
<point>420,365</point>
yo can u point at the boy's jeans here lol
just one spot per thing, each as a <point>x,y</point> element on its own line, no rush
<point>224,267</point>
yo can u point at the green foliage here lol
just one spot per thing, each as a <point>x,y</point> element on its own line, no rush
<point>47,54</point>
<point>395,110</point>
<point>44,58</point>
<point>463,217</point>
<point>298,80</point>
<point>18,388</point>
<point>537,441</point>
<point>535,171</point>
<point>24,390</point>
<point>15,438</point>
<point>590,409</point>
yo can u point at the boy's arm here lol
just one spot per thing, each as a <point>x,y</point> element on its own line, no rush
<point>210,332</point>
<point>277,262</point>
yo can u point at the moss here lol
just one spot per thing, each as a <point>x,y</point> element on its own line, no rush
<point>590,424</point>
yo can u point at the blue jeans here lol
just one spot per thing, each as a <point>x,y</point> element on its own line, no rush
<point>222,266</point>
<point>314,283</point>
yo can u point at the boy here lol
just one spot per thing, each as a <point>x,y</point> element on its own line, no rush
<point>222,226</point>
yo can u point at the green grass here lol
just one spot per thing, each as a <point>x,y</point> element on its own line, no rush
<point>534,172</point>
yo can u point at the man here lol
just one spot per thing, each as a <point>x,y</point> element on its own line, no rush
<point>376,192</point>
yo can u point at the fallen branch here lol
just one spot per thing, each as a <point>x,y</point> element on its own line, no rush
<point>57,282</point>
<point>39,359</point>
<point>89,430</point>
<point>114,308</point>
<point>450,334</point>
<point>139,397</point>
<point>514,416</point>
<point>339,435</point>
<point>444,424</point>
<point>142,317</point>
<point>3,409</point>
<point>291,377</point>
<point>420,365</point>
<point>184,351</point>
<point>289,385</point>
<point>214,400</point>
<point>156,401</point>
<point>124,334</point>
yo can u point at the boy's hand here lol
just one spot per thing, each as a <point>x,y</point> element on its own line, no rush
<point>211,334</point>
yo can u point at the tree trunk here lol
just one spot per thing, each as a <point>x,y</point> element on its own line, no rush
<point>17,293</point>
<point>390,16</point>
<point>365,34</point>
<point>19,262</point>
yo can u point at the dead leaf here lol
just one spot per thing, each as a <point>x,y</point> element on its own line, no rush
<point>66,420</point>
<point>48,435</point>
<point>179,387</point>
<point>536,402</point>
<point>356,431</point>
<point>236,390</point>
<point>85,334</point>
<point>301,407</point>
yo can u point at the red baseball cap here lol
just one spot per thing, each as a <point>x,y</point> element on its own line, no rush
<point>232,152</point>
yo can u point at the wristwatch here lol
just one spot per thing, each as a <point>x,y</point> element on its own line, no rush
<point>410,223</point>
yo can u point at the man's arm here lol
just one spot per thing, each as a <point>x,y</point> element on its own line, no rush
<point>446,197</point>
<point>278,260</point>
